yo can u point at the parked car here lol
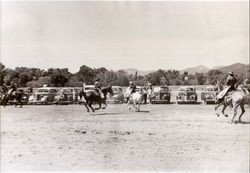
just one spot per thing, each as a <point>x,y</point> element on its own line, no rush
<point>89,88</point>
<point>187,94</point>
<point>44,95</point>
<point>208,94</point>
<point>67,96</point>
<point>117,97</point>
<point>161,94</point>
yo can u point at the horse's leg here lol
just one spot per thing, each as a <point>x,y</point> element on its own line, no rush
<point>128,102</point>
<point>86,105</point>
<point>21,103</point>
<point>16,102</point>
<point>235,106</point>
<point>100,106</point>
<point>242,111</point>
<point>90,105</point>
<point>134,105</point>
<point>138,108</point>
<point>105,104</point>
<point>223,109</point>
<point>4,102</point>
<point>216,107</point>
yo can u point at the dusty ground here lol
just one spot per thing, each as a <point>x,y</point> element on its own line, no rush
<point>160,138</point>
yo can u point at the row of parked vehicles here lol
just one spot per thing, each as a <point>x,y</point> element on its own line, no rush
<point>160,95</point>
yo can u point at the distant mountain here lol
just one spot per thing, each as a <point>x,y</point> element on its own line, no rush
<point>196,69</point>
<point>217,67</point>
<point>139,72</point>
<point>237,68</point>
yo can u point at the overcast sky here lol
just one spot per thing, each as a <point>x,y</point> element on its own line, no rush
<point>117,35</point>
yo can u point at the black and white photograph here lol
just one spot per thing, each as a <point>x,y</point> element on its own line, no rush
<point>124,86</point>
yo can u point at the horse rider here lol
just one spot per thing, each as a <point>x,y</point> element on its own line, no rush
<point>30,90</point>
<point>149,87</point>
<point>132,88</point>
<point>13,88</point>
<point>231,82</point>
<point>246,84</point>
<point>98,88</point>
<point>4,89</point>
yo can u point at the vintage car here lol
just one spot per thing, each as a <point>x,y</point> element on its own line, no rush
<point>187,94</point>
<point>208,94</point>
<point>67,96</point>
<point>89,88</point>
<point>160,94</point>
<point>44,95</point>
<point>117,97</point>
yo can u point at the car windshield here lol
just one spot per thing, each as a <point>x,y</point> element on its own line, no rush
<point>164,88</point>
<point>89,88</point>
<point>53,90</point>
<point>210,89</point>
<point>188,89</point>
<point>117,90</point>
<point>67,91</point>
<point>43,91</point>
<point>158,89</point>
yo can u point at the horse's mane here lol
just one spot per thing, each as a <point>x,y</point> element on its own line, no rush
<point>106,88</point>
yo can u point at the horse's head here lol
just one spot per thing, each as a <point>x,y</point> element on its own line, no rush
<point>107,90</point>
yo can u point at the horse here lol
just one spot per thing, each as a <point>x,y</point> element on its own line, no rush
<point>15,95</point>
<point>239,97</point>
<point>135,98</point>
<point>93,97</point>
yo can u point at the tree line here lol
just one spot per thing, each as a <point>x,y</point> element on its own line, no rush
<point>61,77</point>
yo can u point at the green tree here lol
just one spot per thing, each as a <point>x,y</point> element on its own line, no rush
<point>58,80</point>
<point>2,73</point>
<point>24,77</point>
<point>86,74</point>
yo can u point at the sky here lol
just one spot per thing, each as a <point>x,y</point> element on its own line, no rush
<point>121,34</point>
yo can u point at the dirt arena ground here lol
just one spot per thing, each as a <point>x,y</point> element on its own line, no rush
<point>160,138</point>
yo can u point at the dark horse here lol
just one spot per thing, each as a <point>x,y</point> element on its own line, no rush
<point>15,95</point>
<point>93,97</point>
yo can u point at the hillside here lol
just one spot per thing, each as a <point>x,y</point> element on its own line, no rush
<point>139,72</point>
<point>237,68</point>
<point>196,69</point>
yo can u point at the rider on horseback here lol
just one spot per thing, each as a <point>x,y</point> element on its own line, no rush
<point>13,88</point>
<point>98,88</point>
<point>4,89</point>
<point>231,82</point>
<point>132,88</point>
<point>149,87</point>
<point>246,85</point>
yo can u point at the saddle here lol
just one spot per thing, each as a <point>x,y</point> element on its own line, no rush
<point>98,92</point>
<point>225,95</point>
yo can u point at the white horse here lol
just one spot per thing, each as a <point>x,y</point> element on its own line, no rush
<point>135,98</point>
<point>238,98</point>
